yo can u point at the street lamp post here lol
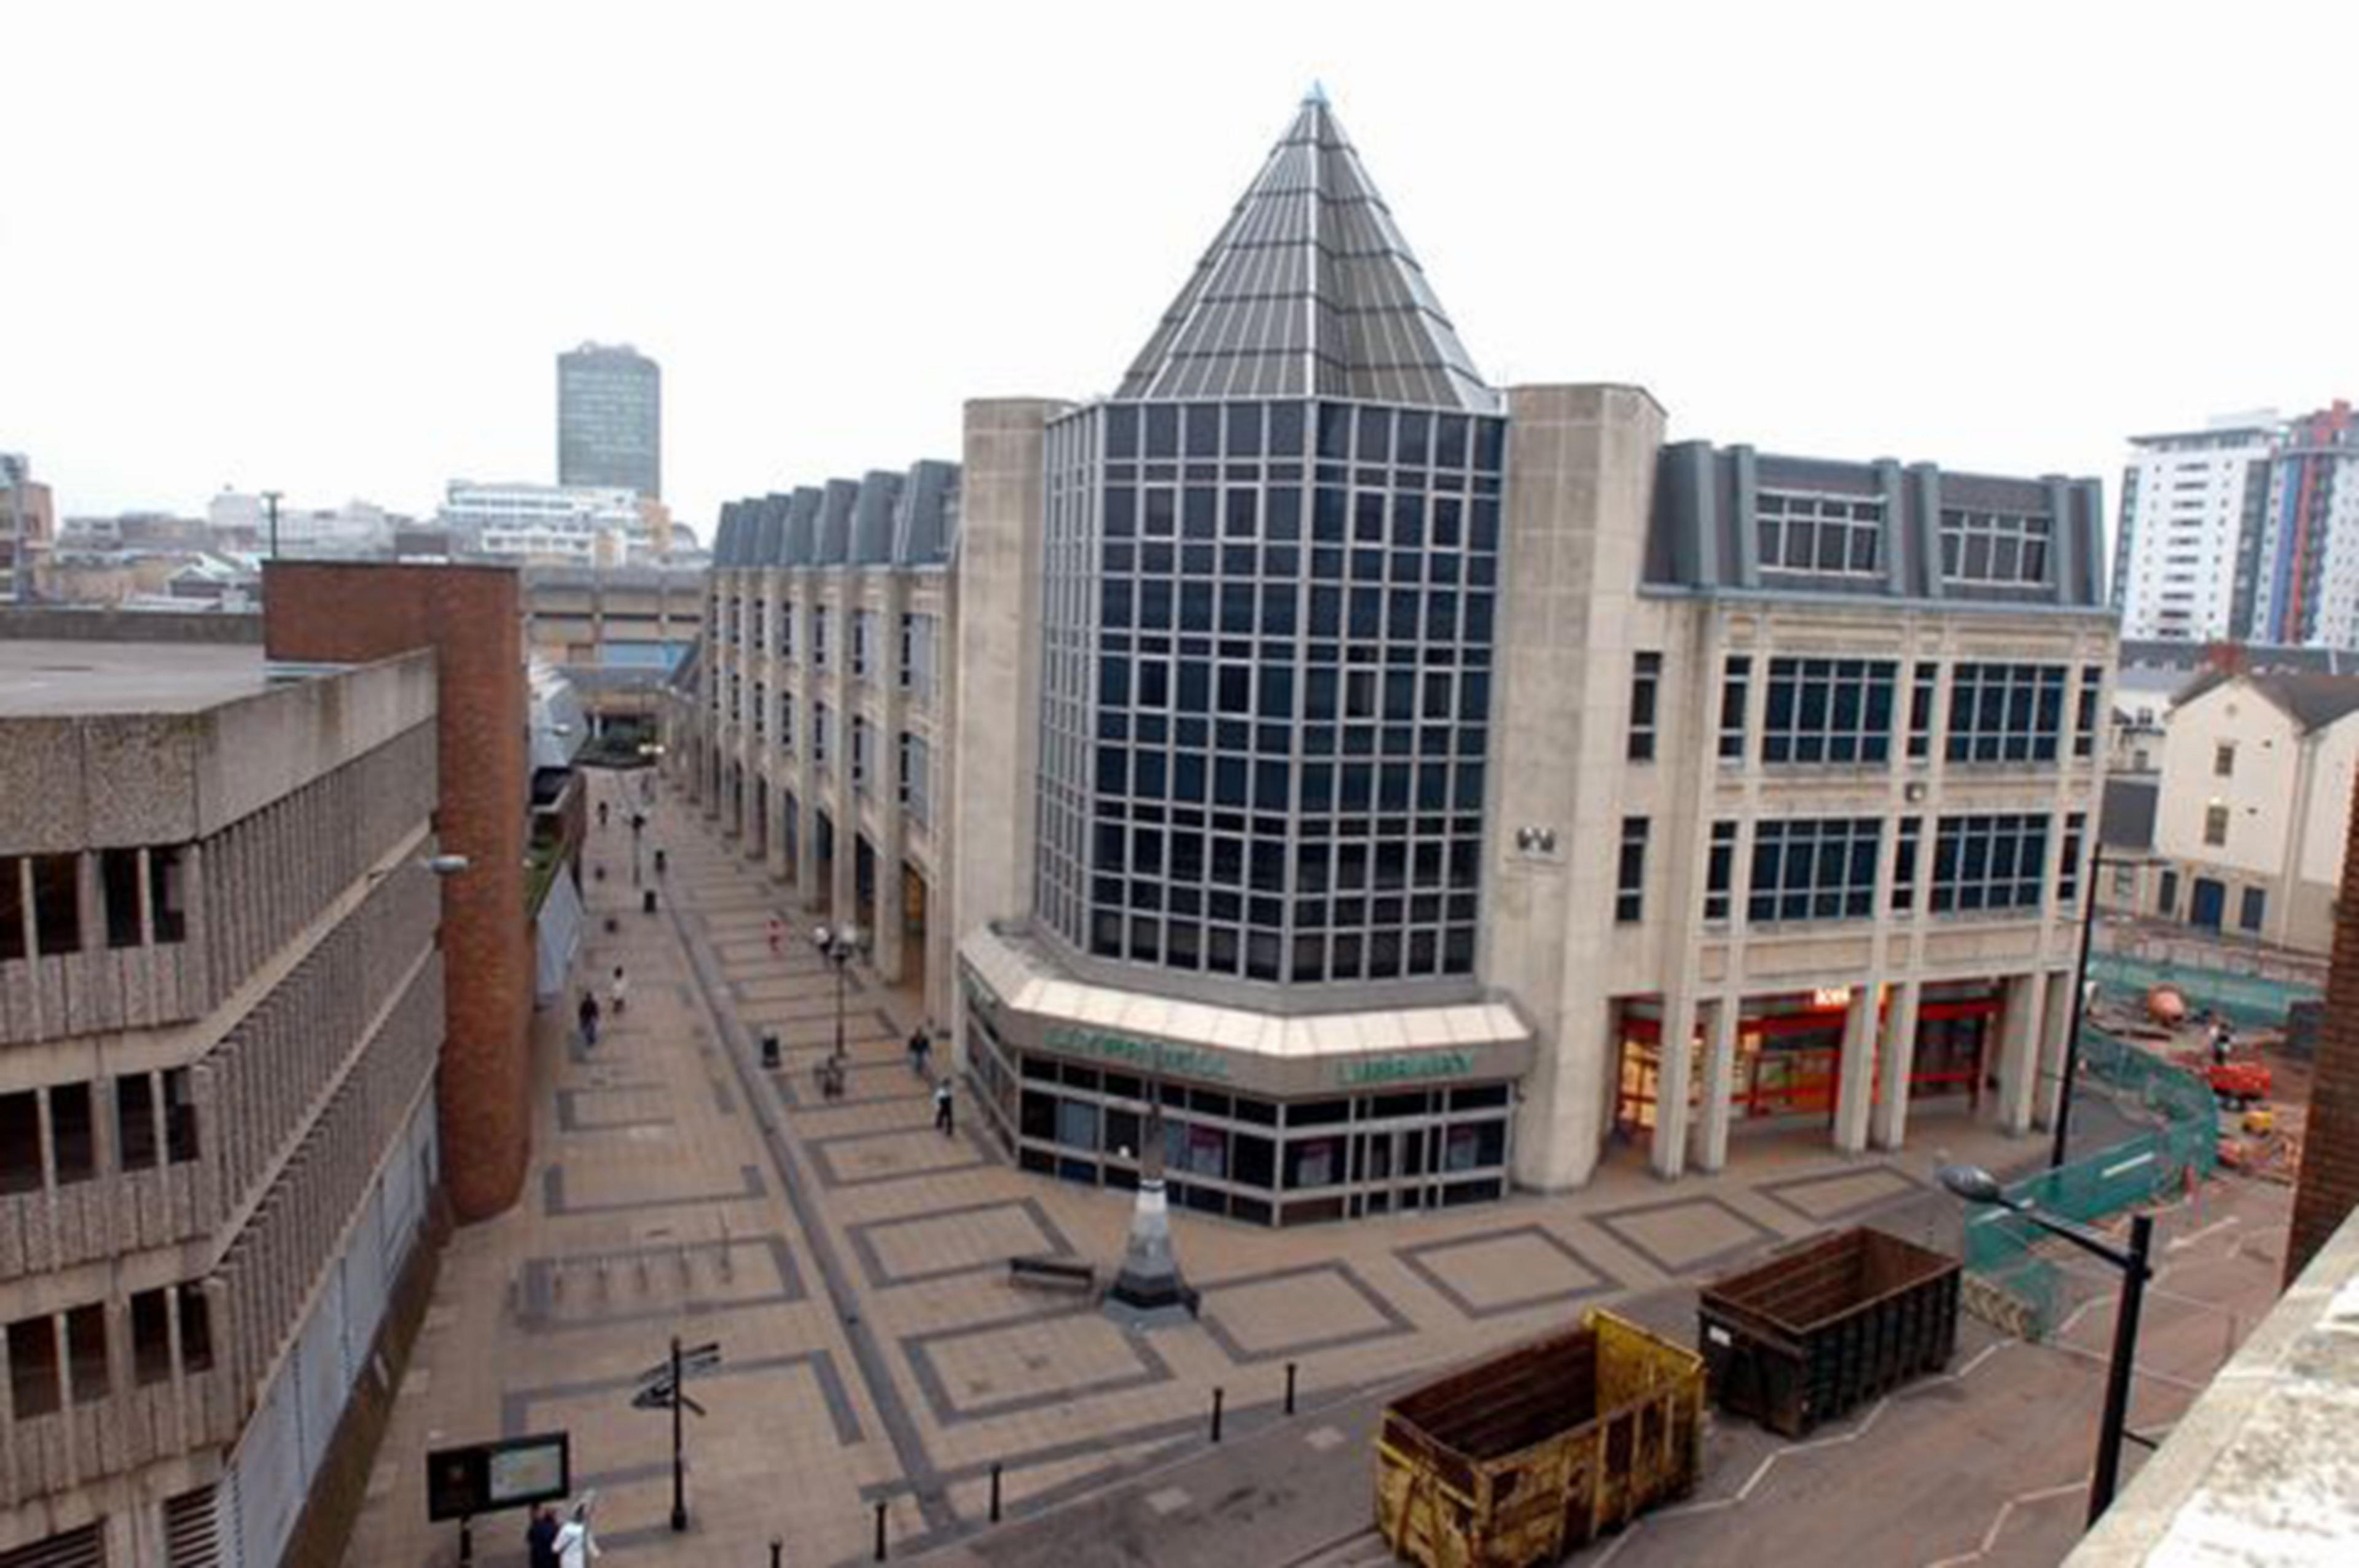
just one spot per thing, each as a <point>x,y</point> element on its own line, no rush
<point>1976,1185</point>
<point>839,944</point>
<point>2079,1004</point>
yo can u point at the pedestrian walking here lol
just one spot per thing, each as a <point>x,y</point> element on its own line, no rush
<point>919,1047</point>
<point>944,1117</point>
<point>619,993</point>
<point>588,1016</point>
<point>659,859</point>
<point>777,934</point>
<point>575,1546</point>
<point>602,814</point>
<point>540,1538</point>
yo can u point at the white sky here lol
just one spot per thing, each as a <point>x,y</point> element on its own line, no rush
<point>334,248</point>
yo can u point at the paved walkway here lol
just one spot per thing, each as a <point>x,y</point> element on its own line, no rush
<point>850,1261</point>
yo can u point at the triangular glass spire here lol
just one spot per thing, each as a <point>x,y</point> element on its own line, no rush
<point>1309,291</point>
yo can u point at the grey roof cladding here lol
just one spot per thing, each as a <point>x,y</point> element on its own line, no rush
<point>2310,698</point>
<point>1309,290</point>
<point>886,518</point>
<point>871,518</point>
<point>1705,531</point>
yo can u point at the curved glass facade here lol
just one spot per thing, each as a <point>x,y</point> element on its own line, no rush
<point>1266,687</point>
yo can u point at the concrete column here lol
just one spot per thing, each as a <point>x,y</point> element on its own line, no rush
<point>885,776</point>
<point>2055,1025</point>
<point>1855,1075</point>
<point>1889,1124</point>
<point>773,802</point>
<point>2018,1061</point>
<point>1669,1155</point>
<point>995,665</point>
<point>1581,478</point>
<point>1719,1083</point>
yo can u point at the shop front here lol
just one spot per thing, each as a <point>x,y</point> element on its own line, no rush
<point>1790,1049</point>
<point>1286,1135</point>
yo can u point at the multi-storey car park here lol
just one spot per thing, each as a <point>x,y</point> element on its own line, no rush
<point>1375,769</point>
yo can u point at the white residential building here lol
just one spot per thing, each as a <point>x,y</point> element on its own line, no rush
<point>566,524</point>
<point>2253,806</point>
<point>2190,503</point>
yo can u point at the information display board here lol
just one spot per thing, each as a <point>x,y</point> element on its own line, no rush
<point>485,1477</point>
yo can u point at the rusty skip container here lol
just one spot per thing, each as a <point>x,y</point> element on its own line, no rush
<point>1826,1326</point>
<point>1534,1451</point>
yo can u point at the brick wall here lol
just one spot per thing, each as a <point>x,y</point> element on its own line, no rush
<point>2329,1187</point>
<point>473,618</point>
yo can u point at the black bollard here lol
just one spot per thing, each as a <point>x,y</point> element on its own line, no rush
<point>647,901</point>
<point>770,1050</point>
<point>880,1529</point>
<point>1216,1415</point>
<point>995,1491</point>
<point>1289,1388</point>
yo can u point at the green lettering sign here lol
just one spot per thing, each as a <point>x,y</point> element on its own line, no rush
<point>1152,1056</point>
<point>1404,1069</point>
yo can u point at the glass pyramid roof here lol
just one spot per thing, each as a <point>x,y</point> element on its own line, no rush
<point>1309,291</point>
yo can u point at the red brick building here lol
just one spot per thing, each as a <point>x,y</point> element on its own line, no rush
<point>472,616</point>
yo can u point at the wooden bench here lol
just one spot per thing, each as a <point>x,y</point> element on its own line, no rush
<point>1052,1274</point>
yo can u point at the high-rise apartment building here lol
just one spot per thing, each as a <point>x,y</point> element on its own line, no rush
<point>2245,531</point>
<point>610,419</point>
<point>1416,789</point>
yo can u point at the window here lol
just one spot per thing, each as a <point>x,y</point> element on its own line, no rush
<point>2004,548</point>
<point>860,752</point>
<point>57,904</point>
<point>134,1121</point>
<point>196,1330</point>
<point>787,720</point>
<point>1904,865</point>
<point>168,894</point>
<point>1735,689</point>
<point>1829,710</point>
<point>1630,889</point>
<point>916,676</point>
<point>818,732</point>
<point>2215,825</point>
<point>2068,864</point>
<point>914,764</point>
<point>1824,534</point>
<point>2223,761</point>
<point>12,909</point>
<point>71,1131</point>
<point>1989,863</point>
<point>761,709</point>
<point>2006,713</point>
<point>33,1368</point>
<point>151,1338</point>
<point>1646,676</point>
<point>2166,897</point>
<point>787,630</point>
<point>1922,678</point>
<point>86,1353</point>
<point>180,1116</point>
<point>2084,719</point>
<point>819,637</point>
<point>1719,866</point>
<point>118,881</point>
<point>1813,869</point>
<point>2250,910</point>
<point>864,641</point>
<point>20,1142</point>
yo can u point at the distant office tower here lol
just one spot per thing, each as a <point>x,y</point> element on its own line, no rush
<point>27,526</point>
<point>2247,530</point>
<point>610,419</point>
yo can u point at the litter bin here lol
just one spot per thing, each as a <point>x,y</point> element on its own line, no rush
<point>647,901</point>
<point>770,1051</point>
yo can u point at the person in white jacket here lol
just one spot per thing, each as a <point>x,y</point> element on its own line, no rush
<point>575,1547</point>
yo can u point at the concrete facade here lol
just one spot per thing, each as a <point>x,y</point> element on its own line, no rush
<point>617,633</point>
<point>221,1006</point>
<point>823,737</point>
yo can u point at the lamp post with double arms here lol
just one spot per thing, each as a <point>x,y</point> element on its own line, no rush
<point>1976,1185</point>
<point>839,944</point>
